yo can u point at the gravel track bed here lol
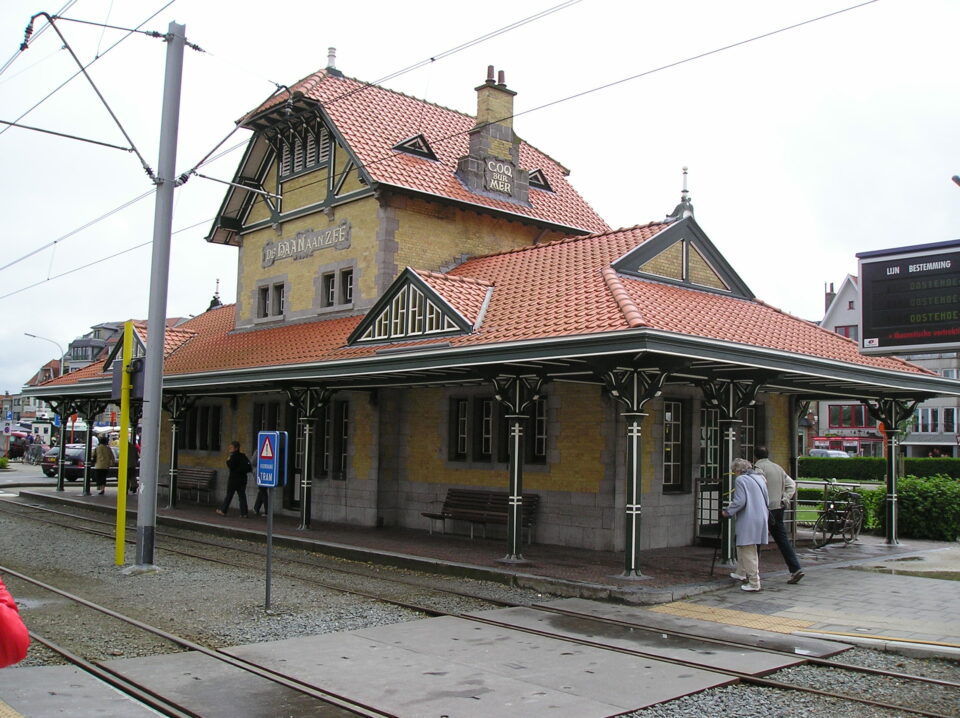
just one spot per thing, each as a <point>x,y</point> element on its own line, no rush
<point>221,606</point>
<point>209,603</point>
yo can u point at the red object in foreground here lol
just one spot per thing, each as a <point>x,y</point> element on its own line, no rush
<point>14,638</point>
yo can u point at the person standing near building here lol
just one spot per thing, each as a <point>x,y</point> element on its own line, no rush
<point>239,466</point>
<point>749,505</point>
<point>102,461</point>
<point>780,489</point>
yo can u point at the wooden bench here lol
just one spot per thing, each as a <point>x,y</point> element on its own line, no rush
<point>482,507</point>
<point>200,481</point>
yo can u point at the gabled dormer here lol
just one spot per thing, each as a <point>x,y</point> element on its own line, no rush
<point>417,146</point>
<point>422,305</point>
<point>682,254</point>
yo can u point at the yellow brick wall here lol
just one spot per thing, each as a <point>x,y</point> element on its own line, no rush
<point>494,105</point>
<point>701,273</point>
<point>301,273</point>
<point>779,439</point>
<point>362,442</point>
<point>430,235</point>
<point>669,263</point>
<point>580,442</point>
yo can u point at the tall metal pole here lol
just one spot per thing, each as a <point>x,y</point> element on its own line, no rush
<point>157,314</point>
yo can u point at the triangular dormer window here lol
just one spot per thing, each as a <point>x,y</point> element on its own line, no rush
<point>416,145</point>
<point>539,180</point>
<point>682,254</point>
<point>410,309</point>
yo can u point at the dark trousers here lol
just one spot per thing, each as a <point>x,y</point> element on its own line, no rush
<point>100,477</point>
<point>238,487</point>
<point>261,501</point>
<point>779,533</point>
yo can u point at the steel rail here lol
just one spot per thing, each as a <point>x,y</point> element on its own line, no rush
<point>131,688</point>
<point>540,607</point>
<point>284,680</point>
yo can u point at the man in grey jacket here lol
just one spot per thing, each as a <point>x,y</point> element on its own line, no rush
<point>780,490</point>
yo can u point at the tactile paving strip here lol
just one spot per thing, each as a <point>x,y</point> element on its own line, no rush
<point>8,712</point>
<point>776,624</point>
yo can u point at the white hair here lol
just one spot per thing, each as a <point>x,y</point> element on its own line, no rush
<point>741,466</point>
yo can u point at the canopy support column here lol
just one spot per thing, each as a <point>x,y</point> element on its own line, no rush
<point>633,388</point>
<point>310,403</point>
<point>178,406</point>
<point>729,398</point>
<point>892,413</point>
<point>516,394</point>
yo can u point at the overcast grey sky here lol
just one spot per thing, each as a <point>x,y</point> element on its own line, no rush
<point>803,148</point>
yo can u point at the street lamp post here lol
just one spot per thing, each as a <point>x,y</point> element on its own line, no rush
<point>54,344</point>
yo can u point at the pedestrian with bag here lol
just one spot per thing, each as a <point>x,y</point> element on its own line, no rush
<point>102,461</point>
<point>239,466</point>
<point>749,505</point>
<point>781,490</point>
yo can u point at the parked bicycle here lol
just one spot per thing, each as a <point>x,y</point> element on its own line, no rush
<point>842,514</point>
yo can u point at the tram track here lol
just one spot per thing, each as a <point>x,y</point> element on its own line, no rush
<point>631,627</point>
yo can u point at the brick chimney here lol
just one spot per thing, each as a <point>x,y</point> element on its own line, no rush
<point>828,296</point>
<point>492,166</point>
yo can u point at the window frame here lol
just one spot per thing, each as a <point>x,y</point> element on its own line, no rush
<point>478,431</point>
<point>202,428</point>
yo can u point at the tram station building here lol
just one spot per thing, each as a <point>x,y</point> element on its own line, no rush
<point>424,302</point>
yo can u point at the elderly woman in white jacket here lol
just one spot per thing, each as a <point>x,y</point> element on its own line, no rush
<point>749,505</point>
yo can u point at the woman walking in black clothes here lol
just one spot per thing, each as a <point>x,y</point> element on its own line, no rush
<point>239,466</point>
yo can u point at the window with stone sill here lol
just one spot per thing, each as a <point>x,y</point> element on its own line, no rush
<point>271,301</point>
<point>336,288</point>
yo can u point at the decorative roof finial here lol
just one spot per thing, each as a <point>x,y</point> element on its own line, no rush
<point>215,302</point>
<point>331,58</point>
<point>685,208</point>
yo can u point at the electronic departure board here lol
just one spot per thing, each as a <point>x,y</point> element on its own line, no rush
<point>910,299</point>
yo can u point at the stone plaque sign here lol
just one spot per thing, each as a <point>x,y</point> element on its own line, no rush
<point>498,175</point>
<point>304,243</point>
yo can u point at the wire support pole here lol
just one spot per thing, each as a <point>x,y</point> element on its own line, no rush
<point>156,317</point>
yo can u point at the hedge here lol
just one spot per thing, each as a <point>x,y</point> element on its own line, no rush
<point>927,508</point>
<point>873,468</point>
<point>861,468</point>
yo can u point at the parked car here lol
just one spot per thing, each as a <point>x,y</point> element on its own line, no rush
<point>829,453</point>
<point>73,463</point>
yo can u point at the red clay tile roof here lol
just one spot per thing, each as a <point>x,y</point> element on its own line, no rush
<point>373,119</point>
<point>563,288</point>
<point>464,294</point>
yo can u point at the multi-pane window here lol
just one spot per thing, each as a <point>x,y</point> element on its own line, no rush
<point>851,331</point>
<point>270,300</point>
<point>748,432</point>
<point>336,288</point>
<point>409,313</point>
<point>709,444</point>
<point>850,416</point>
<point>926,420</point>
<point>948,373</point>
<point>479,430</point>
<point>672,444</point>
<point>266,416</point>
<point>330,450</point>
<point>201,429</point>
<point>949,414</point>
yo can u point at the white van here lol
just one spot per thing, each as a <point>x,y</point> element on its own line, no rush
<point>829,453</point>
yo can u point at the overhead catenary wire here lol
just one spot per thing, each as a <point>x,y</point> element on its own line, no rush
<point>598,88</point>
<point>456,134</point>
<point>50,278</point>
<point>36,34</point>
<point>63,134</point>
<point>97,58</point>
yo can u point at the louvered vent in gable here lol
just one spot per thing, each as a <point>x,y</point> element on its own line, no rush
<point>304,148</point>
<point>409,310</point>
<point>416,145</point>
<point>539,180</point>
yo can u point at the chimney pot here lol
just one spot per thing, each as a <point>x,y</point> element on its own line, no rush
<point>501,79</point>
<point>331,58</point>
<point>490,74</point>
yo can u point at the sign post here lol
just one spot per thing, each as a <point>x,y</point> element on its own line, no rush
<point>271,472</point>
